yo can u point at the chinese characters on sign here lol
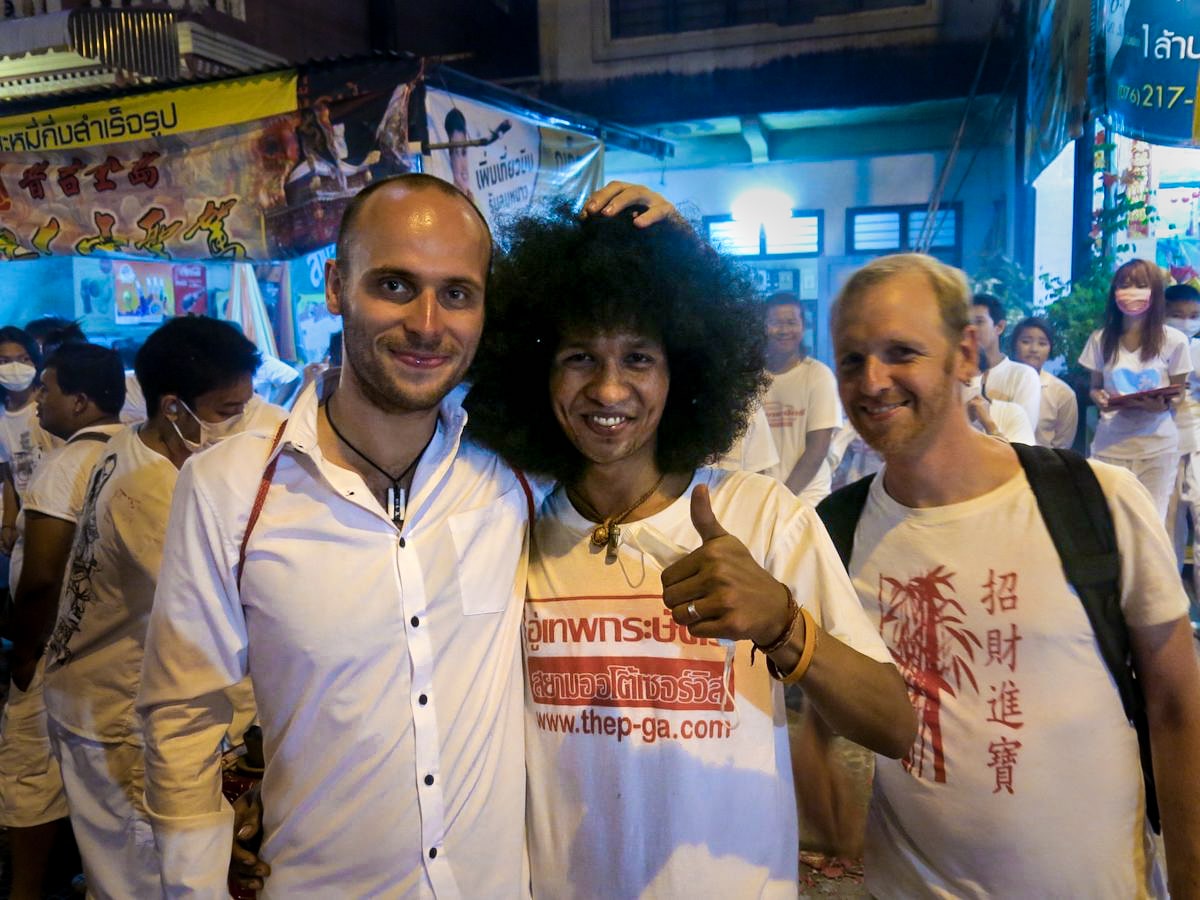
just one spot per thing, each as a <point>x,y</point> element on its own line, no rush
<point>86,178</point>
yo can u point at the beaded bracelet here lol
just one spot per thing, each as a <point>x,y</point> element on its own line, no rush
<point>786,634</point>
<point>806,657</point>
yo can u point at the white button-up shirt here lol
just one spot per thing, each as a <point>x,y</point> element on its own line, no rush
<point>386,664</point>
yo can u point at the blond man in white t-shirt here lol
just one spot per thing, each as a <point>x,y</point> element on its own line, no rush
<point>1024,779</point>
<point>801,402</point>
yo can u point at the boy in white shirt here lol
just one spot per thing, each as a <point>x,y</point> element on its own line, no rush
<point>657,750</point>
<point>196,373</point>
<point>1004,379</point>
<point>82,391</point>
<point>1183,312</point>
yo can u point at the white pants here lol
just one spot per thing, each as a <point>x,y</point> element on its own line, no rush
<point>1157,474</point>
<point>105,784</point>
<point>31,788</point>
<point>1185,501</point>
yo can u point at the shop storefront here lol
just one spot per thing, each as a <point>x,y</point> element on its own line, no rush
<point>223,198</point>
<point>1113,135</point>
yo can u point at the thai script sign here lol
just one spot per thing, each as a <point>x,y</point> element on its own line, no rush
<point>504,162</point>
<point>150,115</point>
<point>1153,76</point>
<point>175,174</point>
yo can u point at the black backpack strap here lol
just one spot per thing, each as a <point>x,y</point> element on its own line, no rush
<point>840,512</point>
<point>1076,514</point>
<point>99,436</point>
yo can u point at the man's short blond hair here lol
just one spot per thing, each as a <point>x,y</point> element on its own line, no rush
<point>949,287</point>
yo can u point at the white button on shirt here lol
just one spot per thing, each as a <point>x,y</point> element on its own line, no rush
<point>386,665</point>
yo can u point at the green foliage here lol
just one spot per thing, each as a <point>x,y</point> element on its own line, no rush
<point>1003,277</point>
<point>1075,311</point>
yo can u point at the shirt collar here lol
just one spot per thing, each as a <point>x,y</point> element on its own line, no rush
<point>110,429</point>
<point>300,429</point>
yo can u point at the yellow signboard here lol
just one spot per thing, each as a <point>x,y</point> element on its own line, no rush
<point>185,109</point>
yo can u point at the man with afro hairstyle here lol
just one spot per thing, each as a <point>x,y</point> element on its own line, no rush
<point>619,362</point>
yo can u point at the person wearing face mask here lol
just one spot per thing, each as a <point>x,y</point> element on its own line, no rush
<point>22,440</point>
<point>1058,416</point>
<point>196,376</point>
<point>1134,353</point>
<point>1183,312</point>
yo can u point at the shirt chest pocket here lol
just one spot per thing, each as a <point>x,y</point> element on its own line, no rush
<point>489,543</point>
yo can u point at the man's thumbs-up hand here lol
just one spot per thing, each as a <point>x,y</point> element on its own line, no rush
<point>703,517</point>
<point>718,590</point>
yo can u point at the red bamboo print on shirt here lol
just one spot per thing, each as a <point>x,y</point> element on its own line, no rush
<point>922,624</point>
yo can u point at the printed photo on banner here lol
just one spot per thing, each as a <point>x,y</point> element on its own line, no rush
<point>504,162</point>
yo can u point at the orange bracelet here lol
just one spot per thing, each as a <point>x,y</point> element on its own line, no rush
<point>806,656</point>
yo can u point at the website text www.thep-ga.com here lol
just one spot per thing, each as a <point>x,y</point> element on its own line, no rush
<point>646,728</point>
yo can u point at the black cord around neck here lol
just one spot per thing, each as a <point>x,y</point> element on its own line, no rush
<point>395,511</point>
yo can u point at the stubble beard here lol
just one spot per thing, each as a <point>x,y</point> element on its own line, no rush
<point>916,435</point>
<point>381,388</point>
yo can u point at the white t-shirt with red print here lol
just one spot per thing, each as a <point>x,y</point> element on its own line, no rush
<point>1024,780</point>
<point>653,770</point>
<point>800,400</point>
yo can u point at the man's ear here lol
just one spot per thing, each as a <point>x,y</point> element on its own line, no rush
<point>966,354</point>
<point>168,406</point>
<point>1000,326</point>
<point>333,287</point>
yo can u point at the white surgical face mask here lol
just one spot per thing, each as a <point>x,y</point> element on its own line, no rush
<point>1190,327</point>
<point>17,376</point>
<point>210,432</point>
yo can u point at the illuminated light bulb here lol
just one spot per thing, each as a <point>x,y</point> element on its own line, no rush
<point>762,205</point>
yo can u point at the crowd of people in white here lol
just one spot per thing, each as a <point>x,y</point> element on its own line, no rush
<point>96,719</point>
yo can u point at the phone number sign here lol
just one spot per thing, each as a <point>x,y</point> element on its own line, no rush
<point>1153,82</point>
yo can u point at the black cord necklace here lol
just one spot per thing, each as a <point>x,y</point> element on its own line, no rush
<point>397,500</point>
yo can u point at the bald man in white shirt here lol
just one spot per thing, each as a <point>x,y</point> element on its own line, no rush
<point>365,566</point>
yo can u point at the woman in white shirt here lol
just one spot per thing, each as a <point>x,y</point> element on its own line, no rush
<point>22,440</point>
<point>1135,353</point>
<point>1058,419</point>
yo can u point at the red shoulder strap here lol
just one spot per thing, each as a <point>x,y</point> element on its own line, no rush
<point>528,494</point>
<point>260,498</point>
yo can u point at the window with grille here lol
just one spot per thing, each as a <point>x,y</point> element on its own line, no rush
<point>801,235</point>
<point>874,230</point>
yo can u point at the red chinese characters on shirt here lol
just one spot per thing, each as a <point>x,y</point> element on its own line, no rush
<point>1004,761</point>
<point>923,623</point>
<point>1004,700</point>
